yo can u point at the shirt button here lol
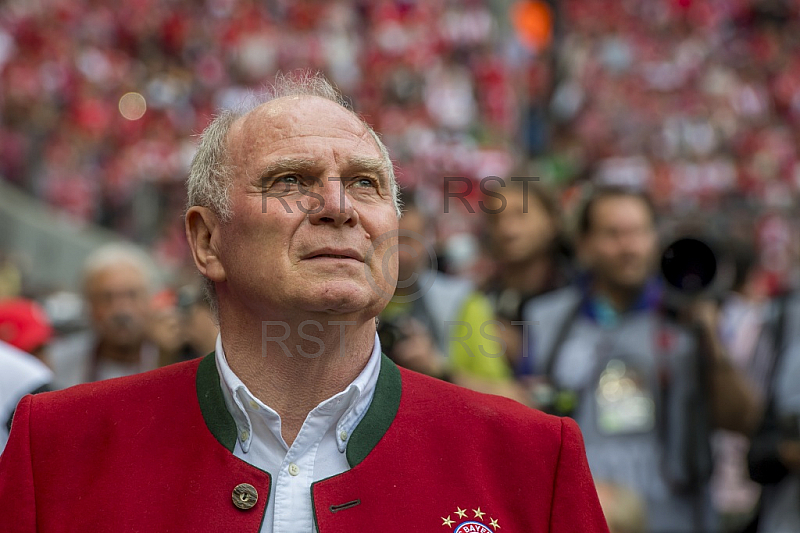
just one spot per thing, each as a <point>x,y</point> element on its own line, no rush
<point>244,435</point>
<point>294,469</point>
<point>254,405</point>
<point>343,435</point>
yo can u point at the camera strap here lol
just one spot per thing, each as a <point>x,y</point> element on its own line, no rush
<point>561,336</point>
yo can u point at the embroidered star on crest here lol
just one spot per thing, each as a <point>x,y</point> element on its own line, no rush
<point>463,523</point>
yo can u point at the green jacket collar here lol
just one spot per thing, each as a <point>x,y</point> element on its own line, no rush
<point>369,431</point>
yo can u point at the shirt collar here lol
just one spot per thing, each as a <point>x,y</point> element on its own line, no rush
<point>352,402</point>
<point>602,312</point>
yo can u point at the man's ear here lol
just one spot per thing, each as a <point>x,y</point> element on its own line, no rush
<point>202,232</point>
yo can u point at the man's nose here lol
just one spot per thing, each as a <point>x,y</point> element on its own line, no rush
<point>122,320</point>
<point>328,203</point>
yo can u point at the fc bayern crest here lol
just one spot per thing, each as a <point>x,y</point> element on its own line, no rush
<point>472,527</point>
<point>464,521</point>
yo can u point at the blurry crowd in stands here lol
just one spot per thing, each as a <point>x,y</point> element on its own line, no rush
<point>696,101</point>
<point>642,120</point>
<point>440,80</point>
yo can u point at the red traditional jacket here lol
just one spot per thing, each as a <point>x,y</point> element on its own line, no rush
<point>152,453</point>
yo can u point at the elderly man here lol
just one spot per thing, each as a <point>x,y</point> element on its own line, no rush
<point>296,422</point>
<point>117,288</point>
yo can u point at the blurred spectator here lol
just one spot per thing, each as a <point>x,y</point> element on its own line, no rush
<point>198,327</point>
<point>100,112</point>
<point>624,509</point>
<point>692,101</point>
<point>439,324</point>
<point>742,316</point>
<point>20,374</point>
<point>524,232</point>
<point>10,278</point>
<point>164,327</point>
<point>117,286</point>
<point>774,457</point>
<point>24,325</point>
<point>25,332</point>
<point>645,389</point>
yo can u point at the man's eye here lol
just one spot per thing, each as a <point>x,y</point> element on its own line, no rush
<point>289,179</point>
<point>365,182</point>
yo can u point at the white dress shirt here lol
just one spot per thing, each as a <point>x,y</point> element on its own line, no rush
<point>317,453</point>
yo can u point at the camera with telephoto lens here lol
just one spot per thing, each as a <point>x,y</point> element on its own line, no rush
<point>694,268</point>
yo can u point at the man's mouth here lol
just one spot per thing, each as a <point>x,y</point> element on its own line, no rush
<point>336,254</point>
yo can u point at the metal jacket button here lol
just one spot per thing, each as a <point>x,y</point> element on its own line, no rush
<point>245,496</point>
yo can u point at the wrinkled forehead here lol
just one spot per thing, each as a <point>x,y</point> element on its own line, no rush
<point>296,117</point>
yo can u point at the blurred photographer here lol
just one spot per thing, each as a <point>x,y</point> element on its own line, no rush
<point>645,386</point>
<point>774,457</point>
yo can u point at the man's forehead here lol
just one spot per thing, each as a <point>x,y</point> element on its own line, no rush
<point>125,272</point>
<point>295,114</point>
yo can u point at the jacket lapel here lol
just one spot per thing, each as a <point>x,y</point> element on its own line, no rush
<point>373,426</point>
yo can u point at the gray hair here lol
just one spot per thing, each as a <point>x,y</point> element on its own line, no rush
<point>116,254</point>
<point>211,171</point>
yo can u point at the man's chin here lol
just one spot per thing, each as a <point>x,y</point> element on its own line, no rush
<point>632,284</point>
<point>124,343</point>
<point>340,298</point>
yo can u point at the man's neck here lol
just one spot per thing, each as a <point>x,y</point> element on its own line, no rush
<point>529,276</point>
<point>294,365</point>
<point>620,298</point>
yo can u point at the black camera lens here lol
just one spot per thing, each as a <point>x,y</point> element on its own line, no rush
<point>689,265</point>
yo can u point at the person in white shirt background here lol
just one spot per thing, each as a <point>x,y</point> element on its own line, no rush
<point>25,332</point>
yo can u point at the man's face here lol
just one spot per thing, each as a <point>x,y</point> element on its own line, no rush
<point>620,248</point>
<point>313,216</point>
<point>119,304</point>
<point>520,232</point>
